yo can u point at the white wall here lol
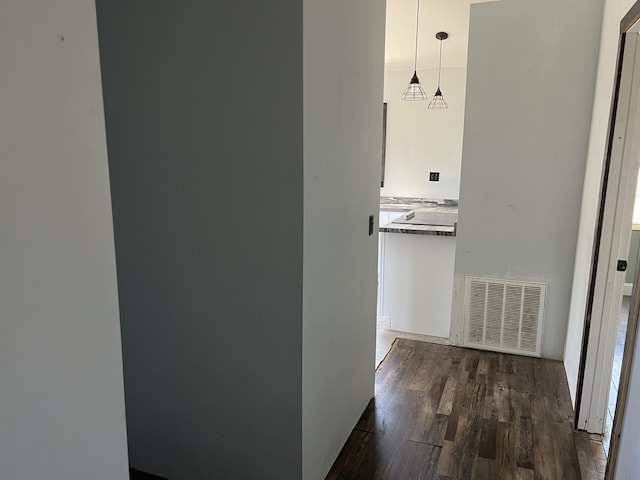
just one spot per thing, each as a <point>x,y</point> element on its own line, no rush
<point>61,395</point>
<point>614,10</point>
<point>420,140</point>
<point>529,103</point>
<point>418,283</point>
<point>343,84</point>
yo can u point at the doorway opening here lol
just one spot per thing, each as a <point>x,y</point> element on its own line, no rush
<point>422,162</point>
<point>622,322</point>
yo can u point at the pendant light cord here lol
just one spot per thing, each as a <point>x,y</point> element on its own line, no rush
<point>440,64</point>
<point>415,56</point>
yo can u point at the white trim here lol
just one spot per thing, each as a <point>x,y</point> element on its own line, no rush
<point>627,289</point>
<point>381,265</point>
<point>384,322</point>
<point>420,337</point>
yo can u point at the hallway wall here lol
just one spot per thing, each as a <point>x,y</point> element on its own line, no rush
<point>245,162</point>
<point>61,392</point>
<point>530,84</point>
<point>343,86</point>
<point>204,126</point>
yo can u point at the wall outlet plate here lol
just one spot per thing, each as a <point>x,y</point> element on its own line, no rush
<point>434,176</point>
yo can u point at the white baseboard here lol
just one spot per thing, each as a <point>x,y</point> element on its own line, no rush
<point>384,322</point>
<point>421,338</point>
<point>627,289</point>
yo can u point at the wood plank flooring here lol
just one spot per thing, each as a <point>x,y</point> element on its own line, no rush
<point>443,412</point>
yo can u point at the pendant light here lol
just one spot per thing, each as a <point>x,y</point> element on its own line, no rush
<point>414,92</point>
<point>438,102</point>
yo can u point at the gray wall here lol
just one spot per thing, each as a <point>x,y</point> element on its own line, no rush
<point>530,88</point>
<point>204,126</point>
<point>633,256</point>
<point>61,392</point>
<point>343,86</point>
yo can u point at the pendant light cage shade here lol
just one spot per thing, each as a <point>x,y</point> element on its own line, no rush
<point>438,102</point>
<point>414,92</point>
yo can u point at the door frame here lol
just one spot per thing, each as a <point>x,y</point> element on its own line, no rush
<point>610,243</point>
<point>628,22</point>
<point>613,240</point>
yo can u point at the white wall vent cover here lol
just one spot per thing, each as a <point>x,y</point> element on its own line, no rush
<point>503,315</point>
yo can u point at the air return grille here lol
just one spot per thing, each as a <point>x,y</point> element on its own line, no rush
<point>503,315</point>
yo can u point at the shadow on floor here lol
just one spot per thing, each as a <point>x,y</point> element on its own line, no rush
<point>138,475</point>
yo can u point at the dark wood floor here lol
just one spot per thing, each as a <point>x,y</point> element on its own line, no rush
<point>443,412</point>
